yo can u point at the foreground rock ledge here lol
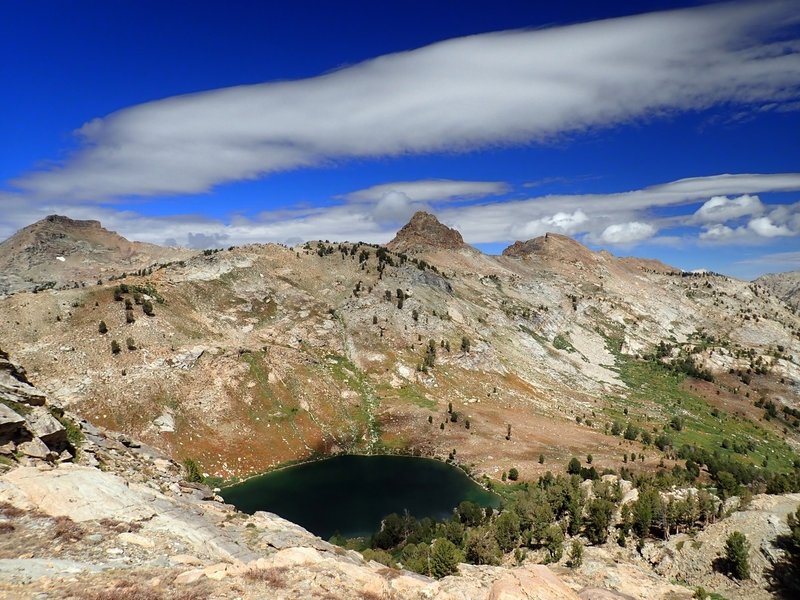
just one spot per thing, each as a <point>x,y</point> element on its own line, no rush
<point>163,541</point>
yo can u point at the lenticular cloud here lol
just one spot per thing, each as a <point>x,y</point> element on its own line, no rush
<point>457,95</point>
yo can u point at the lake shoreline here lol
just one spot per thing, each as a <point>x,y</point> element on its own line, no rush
<point>314,459</point>
<point>358,491</point>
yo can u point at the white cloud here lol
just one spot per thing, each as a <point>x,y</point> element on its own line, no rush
<point>395,207</point>
<point>561,222</point>
<point>764,226</point>
<point>721,209</point>
<point>719,233</point>
<point>430,190</point>
<point>627,233</point>
<point>472,92</point>
<point>492,221</point>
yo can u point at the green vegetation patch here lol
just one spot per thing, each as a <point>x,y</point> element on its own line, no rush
<point>267,403</point>
<point>348,375</point>
<point>410,393</point>
<point>562,342</point>
<point>652,384</point>
<point>18,407</point>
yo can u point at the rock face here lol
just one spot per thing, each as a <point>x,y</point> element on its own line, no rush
<point>536,583</point>
<point>26,423</point>
<point>10,422</point>
<point>425,232</point>
<point>14,384</point>
<point>58,250</point>
<point>46,427</point>
<point>785,286</point>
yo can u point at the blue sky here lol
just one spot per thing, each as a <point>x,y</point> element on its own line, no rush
<point>668,134</point>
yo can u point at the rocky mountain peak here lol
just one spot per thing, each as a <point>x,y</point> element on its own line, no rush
<point>58,250</point>
<point>424,231</point>
<point>550,245</point>
<point>63,221</point>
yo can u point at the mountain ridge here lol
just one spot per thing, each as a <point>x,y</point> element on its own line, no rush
<point>58,250</point>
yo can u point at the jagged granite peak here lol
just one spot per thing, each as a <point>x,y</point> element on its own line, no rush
<point>424,231</point>
<point>58,250</point>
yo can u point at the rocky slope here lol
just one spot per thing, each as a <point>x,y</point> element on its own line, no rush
<point>785,286</point>
<point>58,251</point>
<point>260,354</point>
<point>120,522</point>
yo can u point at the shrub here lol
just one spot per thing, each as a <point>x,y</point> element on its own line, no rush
<point>381,556</point>
<point>737,550</point>
<point>470,513</point>
<point>444,558</point>
<point>275,577</point>
<point>147,308</point>
<point>507,530</point>
<point>575,554</point>
<point>598,520</point>
<point>513,474</point>
<point>574,466</point>
<point>482,548</point>
<point>102,327</point>
<point>131,344</point>
<point>115,349</point>
<point>554,542</point>
<point>67,529</point>
<point>193,473</point>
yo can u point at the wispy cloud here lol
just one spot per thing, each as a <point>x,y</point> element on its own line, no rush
<point>478,91</point>
<point>431,190</point>
<point>619,219</point>
<point>774,259</point>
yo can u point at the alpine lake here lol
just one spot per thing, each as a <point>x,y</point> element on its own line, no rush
<point>350,494</point>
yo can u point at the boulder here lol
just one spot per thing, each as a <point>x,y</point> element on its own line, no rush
<point>10,421</point>
<point>46,427</point>
<point>165,423</point>
<point>14,385</point>
<point>36,448</point>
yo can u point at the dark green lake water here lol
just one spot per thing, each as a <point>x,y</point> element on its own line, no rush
<point>351,494</point>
